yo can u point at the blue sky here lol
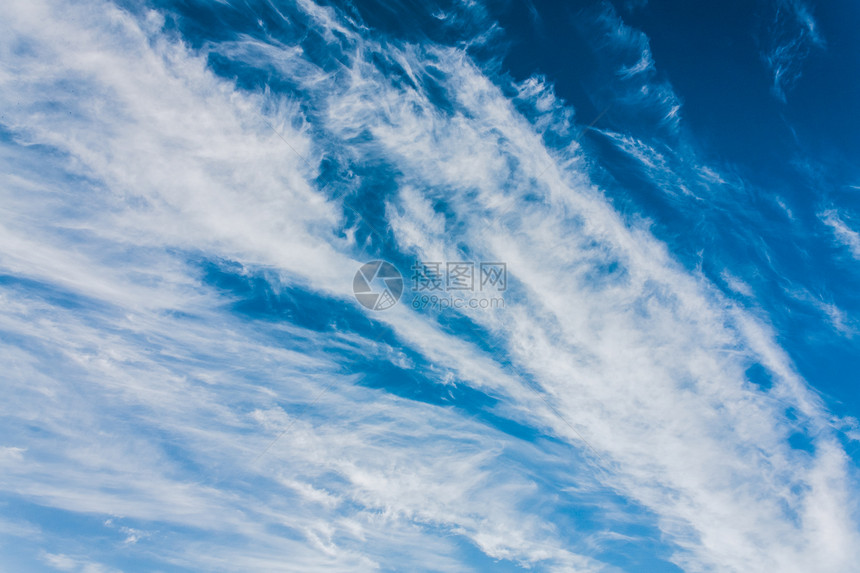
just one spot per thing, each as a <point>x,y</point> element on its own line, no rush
<point>667,381</point>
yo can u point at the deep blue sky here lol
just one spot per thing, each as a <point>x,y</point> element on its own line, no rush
<point>803,149</point>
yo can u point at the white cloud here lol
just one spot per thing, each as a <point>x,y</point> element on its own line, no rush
<point>788,39</point>
<point>179,160</point>
<point>844,235</point>
<point>644,366</point>
<point>736,285</point>
<point>153,400</point>
<point>638,87</point>
<point>62,562</point>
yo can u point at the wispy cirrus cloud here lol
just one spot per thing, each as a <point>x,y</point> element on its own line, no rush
<point>634,87</point>
<point>124,288</point>
<point>62,562</point>
<point>611,395</point>
<point>790,35</point>
<point>844,234</point>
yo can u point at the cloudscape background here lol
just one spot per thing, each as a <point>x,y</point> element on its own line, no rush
<point>188,188</point>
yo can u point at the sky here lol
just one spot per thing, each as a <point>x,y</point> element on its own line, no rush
<point>442,286</point>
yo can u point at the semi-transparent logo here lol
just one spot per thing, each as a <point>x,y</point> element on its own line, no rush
<point>378,285</point>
